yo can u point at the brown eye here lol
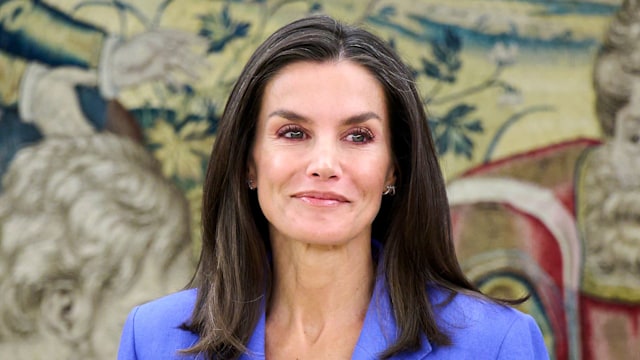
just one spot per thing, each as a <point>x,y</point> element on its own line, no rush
<point>634,138</point>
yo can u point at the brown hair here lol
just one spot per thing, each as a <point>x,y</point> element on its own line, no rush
<point>234,273</point>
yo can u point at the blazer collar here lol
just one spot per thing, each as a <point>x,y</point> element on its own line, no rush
<point>379,331</point>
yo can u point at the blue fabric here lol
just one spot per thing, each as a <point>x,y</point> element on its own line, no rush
<point>479,329</point>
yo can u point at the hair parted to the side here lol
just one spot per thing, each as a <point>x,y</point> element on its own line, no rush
<point>233,277</point>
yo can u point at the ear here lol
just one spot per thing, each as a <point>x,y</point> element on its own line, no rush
<point>67,312</point>
<point>251,169</point>
<point>391,175</point>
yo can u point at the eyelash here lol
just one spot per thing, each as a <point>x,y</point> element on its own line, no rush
<point>286,131</point>
<point>364,132</point>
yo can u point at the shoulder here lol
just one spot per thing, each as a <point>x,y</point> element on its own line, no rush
<point>173,309</point>
<point>153,330</point>
<point>490,329</point>
<point>471,312</point>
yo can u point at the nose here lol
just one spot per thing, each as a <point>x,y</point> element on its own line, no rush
<point>324,161</point>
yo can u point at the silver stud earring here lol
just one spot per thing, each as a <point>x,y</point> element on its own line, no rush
<point>251,184</point>
<point>389,190</point>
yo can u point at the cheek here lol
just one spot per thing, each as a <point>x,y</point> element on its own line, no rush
<point>373,177</point>
<point>272,171</point>
<point>275,167</point>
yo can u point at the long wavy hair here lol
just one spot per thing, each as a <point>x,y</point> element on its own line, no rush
<point>234,275</point>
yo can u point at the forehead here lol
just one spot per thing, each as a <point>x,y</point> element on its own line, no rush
<point>332,85</point>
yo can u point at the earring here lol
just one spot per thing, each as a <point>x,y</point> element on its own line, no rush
<point>251,184</point>
<point>389,190</point>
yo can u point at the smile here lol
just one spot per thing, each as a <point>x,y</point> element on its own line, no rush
<point>321,198</point>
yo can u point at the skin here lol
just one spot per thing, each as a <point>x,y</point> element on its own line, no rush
<point>320,161</point>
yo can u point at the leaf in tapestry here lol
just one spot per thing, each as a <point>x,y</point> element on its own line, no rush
<point>181,150</point>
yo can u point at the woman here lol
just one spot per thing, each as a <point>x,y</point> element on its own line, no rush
<point>326,224</point>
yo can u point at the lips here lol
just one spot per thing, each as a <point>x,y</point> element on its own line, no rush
<point>321,198</point>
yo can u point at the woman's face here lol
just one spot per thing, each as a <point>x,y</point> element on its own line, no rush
<point>322,152</point>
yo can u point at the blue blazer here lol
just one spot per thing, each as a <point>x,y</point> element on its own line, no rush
<point>478,329</point>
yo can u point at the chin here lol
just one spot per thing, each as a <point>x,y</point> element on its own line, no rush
<point>325,237</point>
<point>326,241</point>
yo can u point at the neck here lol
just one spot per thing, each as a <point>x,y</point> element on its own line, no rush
<point>319,287</point>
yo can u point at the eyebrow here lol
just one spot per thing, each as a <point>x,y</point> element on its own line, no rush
<point>355,119</point>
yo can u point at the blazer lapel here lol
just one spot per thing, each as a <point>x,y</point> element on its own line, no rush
<point>379,330</point>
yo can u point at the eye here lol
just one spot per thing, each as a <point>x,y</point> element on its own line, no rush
<point>360,136</point>
<point>635,138</point>
<point>291,132</point>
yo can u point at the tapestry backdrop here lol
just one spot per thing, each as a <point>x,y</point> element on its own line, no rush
<point>109,108</point>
